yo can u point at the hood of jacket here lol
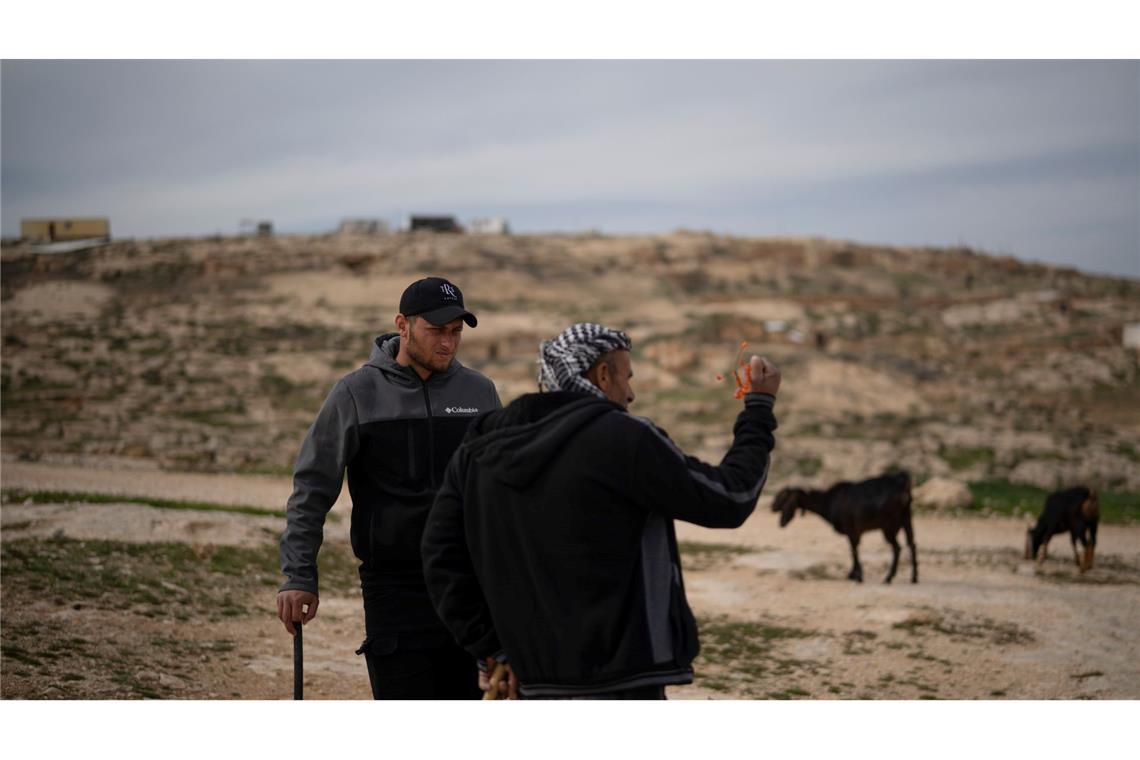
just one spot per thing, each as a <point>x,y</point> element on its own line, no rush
<point>517,443</point>
<point>386,347</point>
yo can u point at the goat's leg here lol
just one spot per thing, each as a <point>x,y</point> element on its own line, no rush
<point>1076,553</point>
<point>1084,562</point>
<point>893,540</point>
<point>1090,546</point>
<point>856,573</point>
<point>909,530</point>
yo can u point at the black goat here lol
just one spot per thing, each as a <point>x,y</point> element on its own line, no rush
<point>855,508</point>
<point>1075,510</point>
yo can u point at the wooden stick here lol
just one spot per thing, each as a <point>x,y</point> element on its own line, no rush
<point>298,662</point>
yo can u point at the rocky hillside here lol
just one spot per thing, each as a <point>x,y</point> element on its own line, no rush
<point>214,354</point>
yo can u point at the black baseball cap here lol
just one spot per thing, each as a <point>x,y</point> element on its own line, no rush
<point>436,300</point>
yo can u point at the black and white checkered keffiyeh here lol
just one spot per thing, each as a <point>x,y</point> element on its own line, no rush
<point>562,361</point>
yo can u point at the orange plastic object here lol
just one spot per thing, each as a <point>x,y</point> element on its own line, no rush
<point>743,386</point>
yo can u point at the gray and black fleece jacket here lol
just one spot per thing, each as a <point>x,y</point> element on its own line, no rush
<point>551,541</point>
<point>394,434</point>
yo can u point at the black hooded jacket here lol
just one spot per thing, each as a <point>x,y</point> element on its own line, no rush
<point>551,540</point>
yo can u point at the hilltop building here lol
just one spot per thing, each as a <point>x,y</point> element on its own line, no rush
<point>65,228</point>
<point>433,223</point>
<point>363,227</point>
<point>490,225</point>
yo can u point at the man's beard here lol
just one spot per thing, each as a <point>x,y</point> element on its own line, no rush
<point>426,359</point>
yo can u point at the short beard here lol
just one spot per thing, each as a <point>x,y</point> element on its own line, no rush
<point>428,361</point>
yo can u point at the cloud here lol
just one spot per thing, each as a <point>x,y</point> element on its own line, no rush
<point>166,147</point>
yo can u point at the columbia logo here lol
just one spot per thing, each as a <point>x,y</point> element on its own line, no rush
<point>461,410</point>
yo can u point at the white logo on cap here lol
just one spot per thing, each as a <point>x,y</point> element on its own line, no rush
<point>449,291</point>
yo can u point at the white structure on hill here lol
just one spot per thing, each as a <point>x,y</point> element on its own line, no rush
<point>363,227</point>
<point>1131,337</point>
<point>490,225</point>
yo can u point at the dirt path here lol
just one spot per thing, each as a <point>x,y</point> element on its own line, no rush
<point>778,617</point>
<point>130,477</point>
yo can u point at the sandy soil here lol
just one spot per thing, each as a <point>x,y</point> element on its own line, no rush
<point>980,620</point>
<point>58,300</point>
<point>981,623</point>
<point>213,355</point>
<point>123,476</point>
<point>836,388</point>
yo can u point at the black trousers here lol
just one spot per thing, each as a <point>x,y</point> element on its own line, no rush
<point>410,670</point>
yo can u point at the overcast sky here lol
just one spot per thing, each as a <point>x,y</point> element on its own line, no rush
<point>1036,159</point>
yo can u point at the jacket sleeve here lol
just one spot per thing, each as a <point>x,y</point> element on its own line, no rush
<point>329,446</point>
<point>448,570</point>
<point>680,486</point>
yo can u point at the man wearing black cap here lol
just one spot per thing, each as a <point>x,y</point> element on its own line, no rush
<point>393,425</point>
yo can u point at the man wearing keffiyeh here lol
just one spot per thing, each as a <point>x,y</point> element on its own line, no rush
<point>565,361</point>
<point>551,546</point>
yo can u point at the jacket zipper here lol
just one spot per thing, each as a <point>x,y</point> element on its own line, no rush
<point>431,437</point>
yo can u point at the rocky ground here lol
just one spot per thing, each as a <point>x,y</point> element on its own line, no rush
<point>124,600</point>
<point>213,354</point>
<point>145,383</point>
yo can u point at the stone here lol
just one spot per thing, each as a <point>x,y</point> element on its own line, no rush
<point>943,494</point>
